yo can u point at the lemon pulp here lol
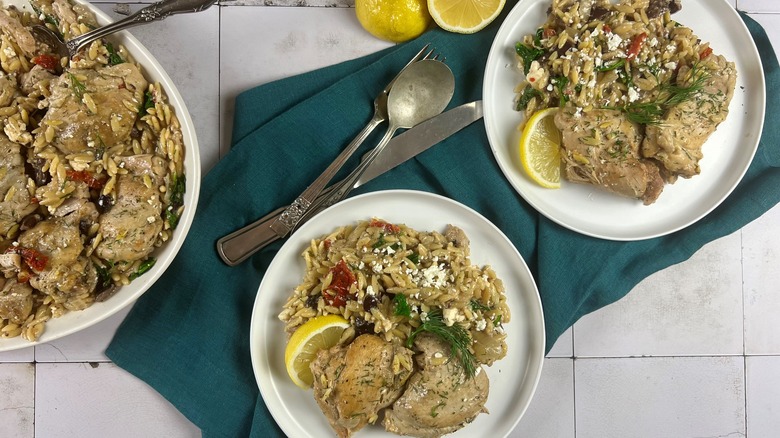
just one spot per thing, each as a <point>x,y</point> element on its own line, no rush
<point>540,146</point>
<point>316,334</point>
<point>464,16</point>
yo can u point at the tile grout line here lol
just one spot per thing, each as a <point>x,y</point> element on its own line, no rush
<point>744,338</point>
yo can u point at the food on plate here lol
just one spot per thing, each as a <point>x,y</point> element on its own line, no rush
<point>422,323</point>
<point>92,177</point>
<point>638,94</point>
<point>319,333</point>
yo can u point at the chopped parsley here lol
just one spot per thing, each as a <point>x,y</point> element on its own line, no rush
<point>143,268</point>
<point>402,307</point>
<point>113,56</point>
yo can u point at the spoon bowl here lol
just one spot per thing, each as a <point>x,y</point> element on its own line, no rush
<point>420,92</point>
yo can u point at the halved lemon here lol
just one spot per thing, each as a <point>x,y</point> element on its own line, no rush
<point>316,334</point>
<point>540,149</point>
<point>464,16</point>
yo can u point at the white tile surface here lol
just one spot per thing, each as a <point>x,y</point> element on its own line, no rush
<point>762,284</point>
<point>763,395</point>
<point>660,397</point>
<point>761,6</point>
<point>551,413</point>
<point>285,42</point>
<point>17,400</point>
<point>102,400</point>
<point>694,307</point>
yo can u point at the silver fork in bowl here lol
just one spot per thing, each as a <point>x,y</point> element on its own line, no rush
<point>237,246</point>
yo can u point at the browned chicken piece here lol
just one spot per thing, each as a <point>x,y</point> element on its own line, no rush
<point>94,108</point>
<point>14,197</point>
<point>656,8</point>
<point>130,227</point>
<point>16,301</point>
<point>67,273</point>
<point>601,147</point>
<point>439,398</point>
<point>37,77</point>
<point>353,383</point>
<point>22,35</point>
<point>677,141</point>
<point>457,237</point>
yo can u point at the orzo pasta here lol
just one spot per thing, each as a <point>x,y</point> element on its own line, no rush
<point>386,278</point>
<point>92,176</point>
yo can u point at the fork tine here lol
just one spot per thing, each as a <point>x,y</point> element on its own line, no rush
<point>420,55</point>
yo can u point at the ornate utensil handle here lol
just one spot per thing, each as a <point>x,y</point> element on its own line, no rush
<point>154,12</point>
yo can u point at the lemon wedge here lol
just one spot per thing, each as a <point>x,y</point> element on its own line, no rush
<point>316,334</point>
<point>464,16</point>
<point>393,20</point>
<point>540,149</point>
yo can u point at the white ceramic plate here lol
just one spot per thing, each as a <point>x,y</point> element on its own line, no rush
<point>588,210</point>
<point>513,379</point>
<point>75,321</point>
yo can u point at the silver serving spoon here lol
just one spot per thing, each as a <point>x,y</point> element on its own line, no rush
<point>421,91</point>
<point>154,12</point>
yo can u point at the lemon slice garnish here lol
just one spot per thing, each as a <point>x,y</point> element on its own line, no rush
<point>540,149</point>
<point>316,334</point>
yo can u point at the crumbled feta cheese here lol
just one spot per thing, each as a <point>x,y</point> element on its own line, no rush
<point>613,41</point>
<point>633,95</point>
<point>378,268</point>
<point>481,324</point>
<point>671,65</point>
<point>451,316</point>
<point>370,290</point>
<point>151,219</point>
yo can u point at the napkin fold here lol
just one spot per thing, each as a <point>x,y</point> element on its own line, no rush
<point>188,336</point>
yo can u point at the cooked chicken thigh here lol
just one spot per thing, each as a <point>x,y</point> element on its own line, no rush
<point>439,398</point>
<point>677,141</point>
<point>16,301</point>
<point>67,272</point>
<point>353,383</point>
<point>131,226</point>
<point>601,147</point>
<point>14,197</point>
<point>114,91</point>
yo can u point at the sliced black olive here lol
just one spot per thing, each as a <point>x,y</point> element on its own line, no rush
<point>369,302</point>
<point>313,301</point>
<point>362,326</point>
<point>104,203</point>
<point>106,293</point>
<point>29,221</point>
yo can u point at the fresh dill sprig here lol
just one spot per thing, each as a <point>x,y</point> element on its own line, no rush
<point>669,95</point>
<point>455,335</point>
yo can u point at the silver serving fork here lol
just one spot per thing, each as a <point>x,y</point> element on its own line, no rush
<point>239,245</point>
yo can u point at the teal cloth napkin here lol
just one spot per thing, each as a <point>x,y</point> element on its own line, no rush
<point>188,336</point>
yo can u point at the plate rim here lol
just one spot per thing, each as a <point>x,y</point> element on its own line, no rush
<point>535,360</point>
<point>511,173</point>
